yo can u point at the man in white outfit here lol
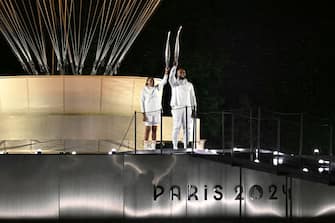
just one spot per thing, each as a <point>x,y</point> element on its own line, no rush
<point>183,104</point>
<point>151,105</point>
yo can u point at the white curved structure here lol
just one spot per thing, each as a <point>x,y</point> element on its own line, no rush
<point>88,114</point>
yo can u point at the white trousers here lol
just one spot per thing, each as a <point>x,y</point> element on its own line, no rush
<point>182,120</point>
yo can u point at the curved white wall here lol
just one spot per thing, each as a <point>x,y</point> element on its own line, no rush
<point>70,94</point>
<point>72,108</point>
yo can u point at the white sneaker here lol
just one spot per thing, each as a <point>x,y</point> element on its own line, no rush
<point>153,145</point>
<point>145,145</point>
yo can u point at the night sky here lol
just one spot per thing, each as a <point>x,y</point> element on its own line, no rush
<point>241,53</point>
<point>272,54</point>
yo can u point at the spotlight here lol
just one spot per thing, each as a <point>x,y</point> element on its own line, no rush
<point>38,152</point>
<point>321,169</point>
<point>74,153</point>
<point>235,149</point>
<point>305,170</point>
<point>277,153</point>
<point>275,161</point>
<point>321,161</point>
<point>326,168</point>
<point>278,161</point>
<point>256,156</point>
<point>113,151</point>
<point>316,151</point>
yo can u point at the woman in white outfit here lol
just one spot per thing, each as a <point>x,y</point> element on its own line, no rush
<point>151,105</point>
<point>183,104</point>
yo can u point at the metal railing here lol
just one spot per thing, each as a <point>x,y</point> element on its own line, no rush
<point>254,130</point>
<point>282,140</point>
<point>253,134</point>
<point>188,117</point>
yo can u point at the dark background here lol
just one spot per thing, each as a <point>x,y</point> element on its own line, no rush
<point>239,54</point>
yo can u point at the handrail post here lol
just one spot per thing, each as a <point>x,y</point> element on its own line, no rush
<point>161,130</point>
<point>258,149</point>
<point>194,146</point>
<point>301,137</point>
<point>330,152</point>
<point>186,130</point>
<point>251,136</point>
<point>278,141</point>
<point>222,131</point>
<point>232,136</point>
<point>135,134</point>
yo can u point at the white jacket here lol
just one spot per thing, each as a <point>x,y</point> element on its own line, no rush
<point>151,97</point>
<point>182,92</point>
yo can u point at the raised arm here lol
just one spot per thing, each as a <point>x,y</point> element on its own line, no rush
<point>172,77</point>
<point>164,80</point>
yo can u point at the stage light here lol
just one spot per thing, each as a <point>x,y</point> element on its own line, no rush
<point>277,153</point>
<point>235,149</point>
<point>321,161</point>
<point>256,160</point>
<point>188,150</point>
<point>74,153</point>
<point>305,170</point>
<point>275,161</point>
<point>113,151</point>
<point>326,168</point>
<point>316,151</point>
<point>38,151</point>
<point>278,161</point>
<point>321,169</point>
